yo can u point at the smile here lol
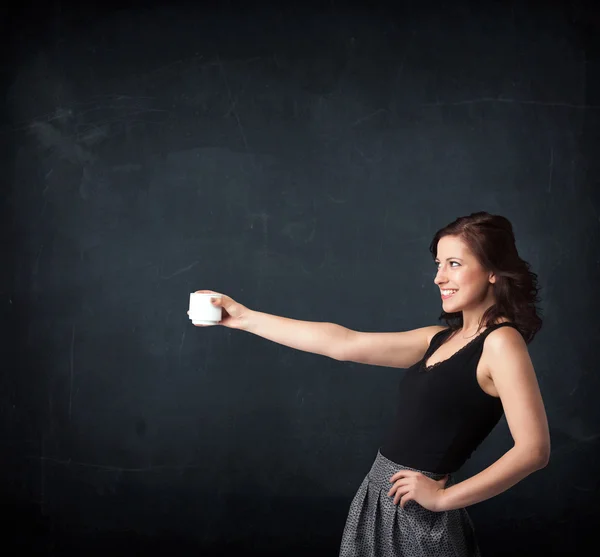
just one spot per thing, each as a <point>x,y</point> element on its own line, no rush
<point>447,294</point>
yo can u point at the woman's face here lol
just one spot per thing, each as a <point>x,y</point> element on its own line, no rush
<point>463,282</point>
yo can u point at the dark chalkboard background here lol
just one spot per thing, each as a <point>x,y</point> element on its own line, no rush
<point>299,160</point>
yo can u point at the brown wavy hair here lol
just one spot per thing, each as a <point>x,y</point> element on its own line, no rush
<point>492,241</point>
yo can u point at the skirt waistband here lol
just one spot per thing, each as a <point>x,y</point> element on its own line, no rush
<point>383,469</point>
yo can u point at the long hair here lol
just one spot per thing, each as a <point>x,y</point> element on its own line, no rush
<point>492,241</point>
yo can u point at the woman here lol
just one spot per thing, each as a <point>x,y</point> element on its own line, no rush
<point>460,379</point>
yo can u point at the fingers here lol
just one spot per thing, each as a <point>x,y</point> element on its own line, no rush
<point>405,500</point>
<point>404,474</point>
<point>399,484</point>
<point>400,496</point>
<point>207,292</point>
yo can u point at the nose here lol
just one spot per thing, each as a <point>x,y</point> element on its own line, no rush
<point>439,277</point>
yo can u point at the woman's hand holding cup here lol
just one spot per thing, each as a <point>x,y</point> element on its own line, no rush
<point>204,312</point>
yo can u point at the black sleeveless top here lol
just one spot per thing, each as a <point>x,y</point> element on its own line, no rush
<point>443,415</point>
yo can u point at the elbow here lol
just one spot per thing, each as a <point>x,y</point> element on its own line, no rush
<point>545,458</point>
<point>539,457</point>
<point>544,454</point>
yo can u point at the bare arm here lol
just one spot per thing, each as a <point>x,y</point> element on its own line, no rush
<point>516,381</point>
<point>402,349</point>
<point>321,338</point>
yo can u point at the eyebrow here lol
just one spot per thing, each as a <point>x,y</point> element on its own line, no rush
<point>448,258</point>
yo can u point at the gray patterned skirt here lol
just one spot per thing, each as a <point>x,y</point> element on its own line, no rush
<point>376,527</point>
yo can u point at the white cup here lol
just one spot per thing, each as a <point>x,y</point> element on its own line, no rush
<point>201,310</point>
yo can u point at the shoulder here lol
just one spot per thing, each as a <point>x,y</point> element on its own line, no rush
<point>503,347</point>
<point>435,330</point>
<point>505,338</point>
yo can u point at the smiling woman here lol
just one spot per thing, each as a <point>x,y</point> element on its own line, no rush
<point>460,379</point>
<point>473,371</point>
<point>481,272</point>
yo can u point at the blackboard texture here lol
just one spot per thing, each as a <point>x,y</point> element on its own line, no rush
<point>298,158</point>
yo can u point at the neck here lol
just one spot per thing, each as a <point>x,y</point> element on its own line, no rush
<point>472,318</point>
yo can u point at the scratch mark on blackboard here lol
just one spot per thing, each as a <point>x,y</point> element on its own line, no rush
<point>231,100</point>
<point>37,260</point>
<point>405,55</point>
<point>181,345</point>
<point>512,101</point>
<point>575,444</point>
<point>181,270</point>
<point>368,117</point>
<point>336,200</point>
<point>119,468</point>
<point>52,137</point>
<point>385,220</point>
<point>591,206</point>
<point>551,165</point>
<point>71,382</point>
<point>42,474</point>
<point>362,154</point>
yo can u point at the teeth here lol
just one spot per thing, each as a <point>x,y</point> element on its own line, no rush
<point>448,292</point>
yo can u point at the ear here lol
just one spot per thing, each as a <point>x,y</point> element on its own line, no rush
<point>492,278</point>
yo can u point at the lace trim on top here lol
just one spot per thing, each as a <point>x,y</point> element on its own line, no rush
<point>460,350</point>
